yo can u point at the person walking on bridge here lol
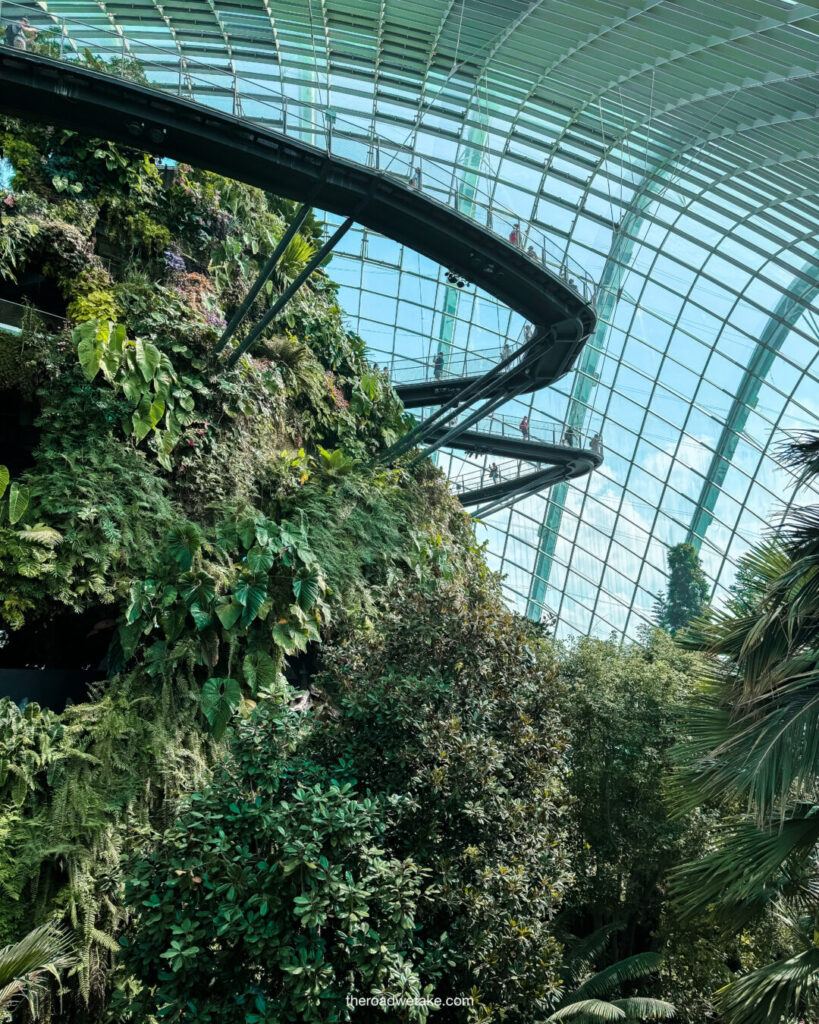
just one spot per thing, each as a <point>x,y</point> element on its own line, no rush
<point>17,31</point>
<point>515,236</point>
<point>523,426</point>
<point>494,473</point>
<point>438,366</point>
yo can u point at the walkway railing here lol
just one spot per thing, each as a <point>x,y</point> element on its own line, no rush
<point>546,431</point>
<point>129,53</point>
<point>456,364</point>
<point>497,472</point>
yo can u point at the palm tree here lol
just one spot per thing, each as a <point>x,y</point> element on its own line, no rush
<point>754,743</point>
<point>589,999</point>
<point>44,951</point>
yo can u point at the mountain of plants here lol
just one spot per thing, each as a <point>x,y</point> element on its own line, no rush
<point>281,753</point>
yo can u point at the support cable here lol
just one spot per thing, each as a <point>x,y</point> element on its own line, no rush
<point>264,276</point>
<point>289,292</point>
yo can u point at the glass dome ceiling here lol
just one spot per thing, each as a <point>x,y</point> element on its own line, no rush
<point>669,147</point>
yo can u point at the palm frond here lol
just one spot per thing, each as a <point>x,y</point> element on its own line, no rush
<point>45,950</point>
<point>629,969</point>
<point>781,991</point>
<point>588,1010</point>
<point>580,954</point>
<point>643,1008</point>
<point>745,872</point>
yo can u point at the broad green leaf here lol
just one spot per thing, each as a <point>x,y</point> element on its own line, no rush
<point>201,617</point>
<point>134,389</point>
<point>141,419</point>
<point>109,364</point>
<point>229,612</point>
<point>306,586</point>
<point>250,596</point>
<point>4,480</point>
<point>220,699</point>
<point>89,349</point>
<point>156,412</point>
<point>261,671</point>
<point>197,589</point>
<point>183,545</point>
<point>18,502</point>
<point>260,559</point>
<point>116,339</point>
<point>289,638</point>
<point>148,358</point>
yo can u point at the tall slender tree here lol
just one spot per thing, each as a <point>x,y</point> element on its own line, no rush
<point>687,591</point>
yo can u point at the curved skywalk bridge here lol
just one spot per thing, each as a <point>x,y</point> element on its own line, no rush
<point>485,245</point>
<point>523,462</point>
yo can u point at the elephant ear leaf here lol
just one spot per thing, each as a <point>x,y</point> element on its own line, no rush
<point>306,586</point>
<point>220,699</point>
<point>89,348</point>
<point>4,480</point>
<point>18,502</point>
<point>148,358</point>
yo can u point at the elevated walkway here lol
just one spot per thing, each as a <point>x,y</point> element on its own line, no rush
<point>525,463</point>
<point>552,296</point>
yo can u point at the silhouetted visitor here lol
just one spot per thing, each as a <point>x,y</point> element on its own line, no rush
<point>415,180</point>
<point>527,332</point>
<point>494,473</point>
<point>597,444</point>
<point>506,351</point>
<point>523,426</point>
<point>438,366</point>
<point>515,237</point>
<point>530,252</point>
<point>568,437</point>
<point>16,33</point>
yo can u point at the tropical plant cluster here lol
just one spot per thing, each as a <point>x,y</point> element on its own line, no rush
<point>315,756</point>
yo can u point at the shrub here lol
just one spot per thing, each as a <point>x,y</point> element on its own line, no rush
<point>422,795</point>
<point>271,898</point>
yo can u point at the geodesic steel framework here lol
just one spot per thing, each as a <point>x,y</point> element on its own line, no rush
<point>668,147</point>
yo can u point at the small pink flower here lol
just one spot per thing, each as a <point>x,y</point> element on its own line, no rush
<point>9,200</point>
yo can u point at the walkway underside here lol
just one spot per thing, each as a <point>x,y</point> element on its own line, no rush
<point>553,464</point>
<point>554,352</point>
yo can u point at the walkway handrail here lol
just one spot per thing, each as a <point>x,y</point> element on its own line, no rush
<point>325,129</point>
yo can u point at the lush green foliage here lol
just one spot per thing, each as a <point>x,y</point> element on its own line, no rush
<point>323,760</point>
<point>183,511</point>
<point>272,896</point>
<point>754,745</point>
<point>415,808</point>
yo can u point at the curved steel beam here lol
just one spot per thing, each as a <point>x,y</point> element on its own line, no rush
<point>799,294</point>
<point>46,90</point>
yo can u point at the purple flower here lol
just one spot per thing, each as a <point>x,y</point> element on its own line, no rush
<point>173,261</point>
<point>213,318</point>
